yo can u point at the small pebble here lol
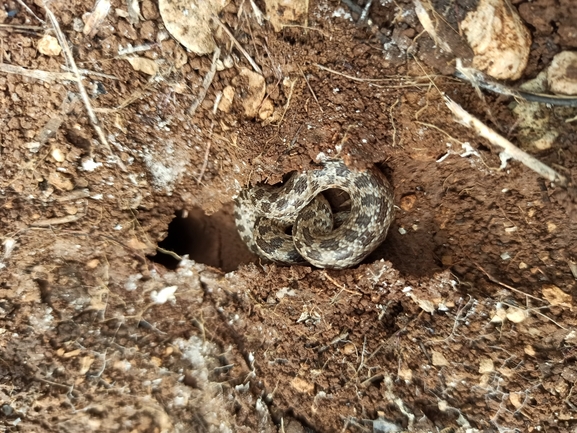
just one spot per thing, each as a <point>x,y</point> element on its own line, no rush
<point>58,155</point>
<point>7,409</point>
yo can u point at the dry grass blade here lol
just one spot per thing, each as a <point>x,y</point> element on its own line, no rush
<point>405,81</point>
<point>25,6</point>
<point>494,280</point>
<point>21,27</point>
<point>205,83</point>
<point>49,76</point>
<point>82,90</point>
<point>204,163</point>
<point>92,73</point>
<point>310,88</point>
<point>239,46</point>
<point>46,76</point>
<point>59,220</point>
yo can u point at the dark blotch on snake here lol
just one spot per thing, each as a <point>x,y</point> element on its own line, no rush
<point>315,255</point>
<point>307,235</point>
<point>298,203</point>
<point>266,207</point>
<point>307,214</point>
<point>275,243</point>
<point>369,200</point>
<point>300,185</point>
<point>363,220</point>
<point>350,235</point>
<point>258,193</point>
<point>236,215</point>
<point>264,229</point>
<point>342,170</point>
<point>360,182</point>
<point>281,204</point>
<point>269,246</point>
<point>329,244</point>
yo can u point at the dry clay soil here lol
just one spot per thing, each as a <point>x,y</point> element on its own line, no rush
<point>462,320</point>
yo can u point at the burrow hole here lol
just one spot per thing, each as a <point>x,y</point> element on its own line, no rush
<point>213,239</point>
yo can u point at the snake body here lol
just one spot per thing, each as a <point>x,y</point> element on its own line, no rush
<point>264,213</point>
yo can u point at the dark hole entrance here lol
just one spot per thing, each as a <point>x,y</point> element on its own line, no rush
<point>340,201</point>
<point>212,240</point>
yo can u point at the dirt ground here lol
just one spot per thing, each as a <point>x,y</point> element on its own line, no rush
<point>461,321</point>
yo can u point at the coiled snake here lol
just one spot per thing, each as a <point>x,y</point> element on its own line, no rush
<point>264,213</point>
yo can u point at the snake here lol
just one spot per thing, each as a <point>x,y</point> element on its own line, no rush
<point>294,224</point>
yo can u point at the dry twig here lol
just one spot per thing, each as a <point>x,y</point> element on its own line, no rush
<point>288,102</point>
<point>310,88</point>
<point>205,83</point>
<point>138,94</point>
<point>509,149</point>
<point>25,6</point>
<point>37,74</point>
<point>365,12</point>
<point>11,27</point>
<point>82,90</point>
<point>373,81</point>
<point>204,163</point>
<point>239,46</point>
<point>393,121</point>
<point>494,280</point>
<point>89,72</point>
<point>55,221</point>
<point>50,76</point>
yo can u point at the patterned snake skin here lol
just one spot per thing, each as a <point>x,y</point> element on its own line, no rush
<point>264,214</point>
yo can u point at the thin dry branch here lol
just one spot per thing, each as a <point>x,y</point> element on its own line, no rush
<point>37,74</point>
<point>204,164</point>
<point>59,220</point>
<point>205,83</point>
<point>49,76</point>
<point>239,46</point>
<point>374,81</point>
<point>288,102</point>
<point>509,148</point>
<point>310,88</point>
<point>135,96</point>
<point>82,90</point>
<point>496,281</point>
<point>20,27</point>
<point>365,12</point>
<point>25,6</point>
<point>92,73</point>
<point>391,108</point>
<point>481,81</point>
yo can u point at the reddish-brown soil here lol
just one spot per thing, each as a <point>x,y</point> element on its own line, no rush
<point>462,319</point>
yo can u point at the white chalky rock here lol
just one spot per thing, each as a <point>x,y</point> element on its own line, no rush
<point>562,73</point>
<point>499,39</point>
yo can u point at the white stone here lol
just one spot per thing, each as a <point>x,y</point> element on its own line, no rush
<point>562,73</point>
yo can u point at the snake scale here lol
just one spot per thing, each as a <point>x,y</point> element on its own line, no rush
<point>265,214</point>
